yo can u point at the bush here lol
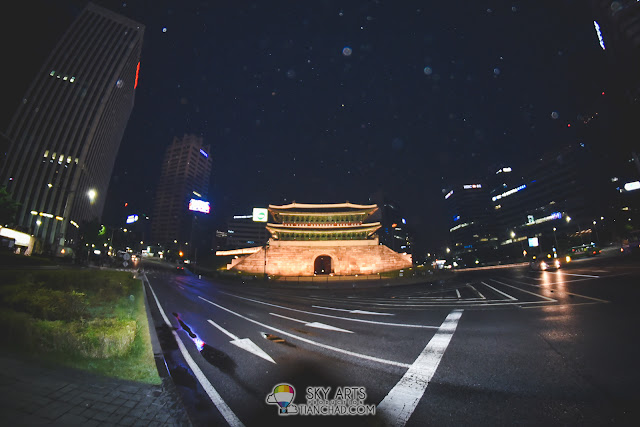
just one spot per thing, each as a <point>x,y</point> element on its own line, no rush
<point>100,338</point>
<point>44,303</point>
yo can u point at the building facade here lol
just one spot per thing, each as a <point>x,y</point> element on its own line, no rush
<point>66,132</point>
<point>321,239</point>
<point>244,232</point>
<point>185,175</point>
<point>467,207</point>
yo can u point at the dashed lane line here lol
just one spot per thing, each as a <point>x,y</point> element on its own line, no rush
<point>404,325</point>
<point>354,311</point>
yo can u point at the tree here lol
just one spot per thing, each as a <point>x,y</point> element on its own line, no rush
<point>8,207</point>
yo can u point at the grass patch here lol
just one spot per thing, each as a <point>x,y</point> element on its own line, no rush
<point>89,319</point>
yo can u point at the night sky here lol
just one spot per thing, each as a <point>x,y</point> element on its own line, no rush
<point>327,101</point>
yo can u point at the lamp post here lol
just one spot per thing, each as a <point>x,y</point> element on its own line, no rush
<point>556,240</point>
<point>266,245</point>
<point>596,229</point>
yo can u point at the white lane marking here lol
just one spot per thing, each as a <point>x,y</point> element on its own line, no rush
<point>472,287</point>
<point>404,325</point>
<point>526,292</point>
<point>570,274</point>
<point>308,341</point>
<point>244,343</point>
<point>562,305</point>
<point>313,324</point>
<point>213,394</point>
<point>458,293</point>
<point>354,311</point>
<point>397,406</point>
<point>500,292</point>
<point>560,290</point>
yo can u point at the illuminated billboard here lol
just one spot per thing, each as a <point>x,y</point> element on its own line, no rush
<point>131,219</point>
<point>196,205</point>
<point>533,242</point>
<point>260,214</point>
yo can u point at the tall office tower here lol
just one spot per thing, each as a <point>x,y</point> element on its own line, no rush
<point>468,209</point>
<point>185,175</point>
<point>65,135</point>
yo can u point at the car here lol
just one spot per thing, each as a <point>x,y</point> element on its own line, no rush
<point>544,262</point>
<point>584,251</point>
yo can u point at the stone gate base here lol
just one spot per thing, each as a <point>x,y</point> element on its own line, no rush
<point>298,258</point>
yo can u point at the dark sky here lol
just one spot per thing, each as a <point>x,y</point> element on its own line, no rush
<point>327,101</point>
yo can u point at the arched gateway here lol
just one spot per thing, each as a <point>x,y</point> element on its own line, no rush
<point>322,265</point>
<point>320,239</point>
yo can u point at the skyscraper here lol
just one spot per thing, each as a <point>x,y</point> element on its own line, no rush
<point>66,132</point>
<point>185,175</point>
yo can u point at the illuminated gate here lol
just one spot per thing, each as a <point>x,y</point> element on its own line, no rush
<point>322,265</point>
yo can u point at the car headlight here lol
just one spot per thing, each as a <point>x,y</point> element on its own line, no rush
<point>557,263</point>
<point>567,258</point>
<point>543,265</point>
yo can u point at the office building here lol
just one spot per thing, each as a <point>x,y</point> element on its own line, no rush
<point>244,232</point>
<point>185,175</point>
<point>467,207</point>
<point>394,231</point>
<point>66,132</point>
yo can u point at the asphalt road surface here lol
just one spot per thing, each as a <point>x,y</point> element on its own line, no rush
<point>489,347</point>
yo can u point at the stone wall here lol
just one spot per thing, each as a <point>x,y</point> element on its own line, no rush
<point>296,260</point>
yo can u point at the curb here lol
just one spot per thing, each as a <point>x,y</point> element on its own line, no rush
<point>158,355</point>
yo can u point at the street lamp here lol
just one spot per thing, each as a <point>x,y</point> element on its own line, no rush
<point>596,229</point>
<point>556,240</point>
<point>92,194</point>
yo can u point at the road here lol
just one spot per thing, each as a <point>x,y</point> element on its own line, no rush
<point>489,347</point>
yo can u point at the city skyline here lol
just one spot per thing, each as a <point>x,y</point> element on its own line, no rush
<point>338,102</point>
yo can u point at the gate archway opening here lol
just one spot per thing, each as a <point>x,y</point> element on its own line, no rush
<point>322,265</point>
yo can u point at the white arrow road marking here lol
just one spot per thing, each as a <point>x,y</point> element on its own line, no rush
<point>328,315</point>
<point>308,341</point>
<point>396,408</point>
<point>244,343</point>
<point>313,324</point>
<point>213,394</point>
<point>354,311</point>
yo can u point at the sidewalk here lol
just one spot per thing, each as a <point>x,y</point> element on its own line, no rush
<point>36,394</point>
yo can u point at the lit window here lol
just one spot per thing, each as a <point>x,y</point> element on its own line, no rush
<point>65,78</point>
<point>49,185</point>
<point>52,73</point>
<point>69,159</point>
<point>72,79</point>
<point>53,156</point>
<point>76,160</point>
<point>46,153</point>
<point>61,158</point>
